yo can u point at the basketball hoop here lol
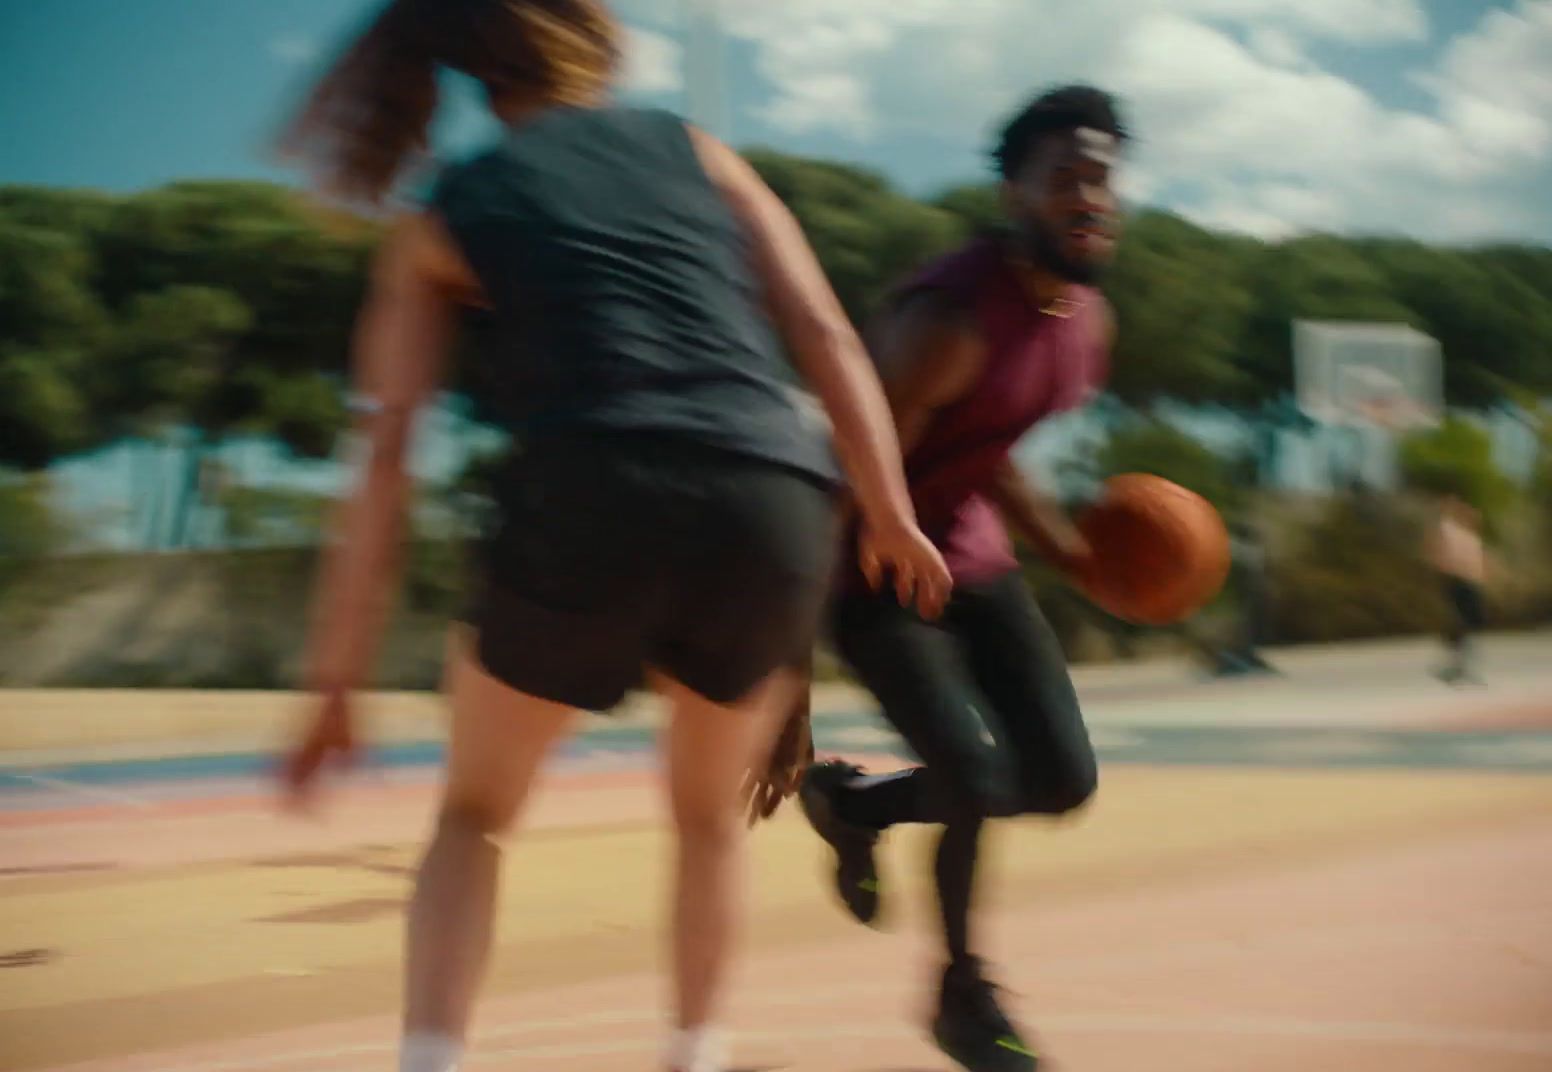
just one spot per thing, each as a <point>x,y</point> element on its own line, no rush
<point>1367,375</point>
<point>1366,383</point>
<point>1390,412</point>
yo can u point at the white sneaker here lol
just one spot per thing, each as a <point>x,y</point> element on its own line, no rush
<point>697,1050</point>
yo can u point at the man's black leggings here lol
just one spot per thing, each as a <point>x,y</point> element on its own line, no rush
<point>984,699</point>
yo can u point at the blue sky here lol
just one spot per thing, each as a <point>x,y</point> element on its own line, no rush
<point>1425,117</point>
<point>1430,117</point>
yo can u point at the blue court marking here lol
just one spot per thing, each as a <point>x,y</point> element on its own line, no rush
<point>407,756</point>
<point>1527,751</point>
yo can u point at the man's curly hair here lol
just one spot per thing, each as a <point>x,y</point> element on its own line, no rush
<point>1061,109</point>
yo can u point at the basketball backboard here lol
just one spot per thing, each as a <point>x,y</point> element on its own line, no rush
<point>1361,374</point>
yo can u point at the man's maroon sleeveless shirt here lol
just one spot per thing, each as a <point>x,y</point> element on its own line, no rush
<point>1038,365</point>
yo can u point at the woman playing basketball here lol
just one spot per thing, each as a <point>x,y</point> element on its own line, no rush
<point>668,511</point>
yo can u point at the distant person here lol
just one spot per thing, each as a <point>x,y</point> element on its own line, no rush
<point>1455,551</point>
<point>977,349</point>
<point>669,510</point>
<point>1248,582</point>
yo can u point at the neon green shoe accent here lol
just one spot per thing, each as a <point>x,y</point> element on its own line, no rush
<point>1017,1047</point>
<point>868,884</point>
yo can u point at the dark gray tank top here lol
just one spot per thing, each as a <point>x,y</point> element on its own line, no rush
<point>624,297</point>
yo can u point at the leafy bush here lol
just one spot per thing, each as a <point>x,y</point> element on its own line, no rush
<point>1457,459</point>
<point>28,524</point>
<point>1352,572</point>
<point>1151,446</point>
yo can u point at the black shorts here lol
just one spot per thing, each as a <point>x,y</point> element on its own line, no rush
<point>615,554</point>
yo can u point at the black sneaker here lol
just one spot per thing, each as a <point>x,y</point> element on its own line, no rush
<point>856,875</point>
<point>971,1027</point>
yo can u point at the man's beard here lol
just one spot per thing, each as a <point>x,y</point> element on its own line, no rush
<point>1045,251</point>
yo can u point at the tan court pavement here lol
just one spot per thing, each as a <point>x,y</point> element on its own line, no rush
<point>230,925</point>
<point>184,925</point>
<point>1377,683</point>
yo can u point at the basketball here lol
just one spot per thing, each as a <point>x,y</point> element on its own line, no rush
<point>1161,552</point>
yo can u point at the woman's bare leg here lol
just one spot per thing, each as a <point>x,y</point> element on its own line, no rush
<point>710,748</point>
<point>499,739</point>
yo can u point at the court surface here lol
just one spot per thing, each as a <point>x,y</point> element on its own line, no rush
<point>1261,893</point>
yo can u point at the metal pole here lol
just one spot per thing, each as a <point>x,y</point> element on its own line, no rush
<point>705,66</point>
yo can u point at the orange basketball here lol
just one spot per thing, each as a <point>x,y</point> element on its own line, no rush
<point>1161,552</point>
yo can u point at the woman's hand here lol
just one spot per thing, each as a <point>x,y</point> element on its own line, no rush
<point>903,550</point>
<point>789,759</point>
<point>330,741</point>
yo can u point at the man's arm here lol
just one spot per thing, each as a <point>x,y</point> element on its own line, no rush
<point>929,354</point>
<point>1035,517</point>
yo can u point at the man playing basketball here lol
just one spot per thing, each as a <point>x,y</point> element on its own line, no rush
<point>974,351</point>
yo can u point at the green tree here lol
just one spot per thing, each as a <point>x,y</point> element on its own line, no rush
<point>1541,478</point>
<point>79,214</point>
<point>29,525</point>
<point>1457,459</point>
<point>978,208</point>
<point>269,358</point>
<point>259,515</point>
<point>300,273</point>
<point>45,294</point>
<point>1146,445</point>
<point>162,377</point>
<point>1319,277</point>
<point>1182,306</point>
<point>1493,324</point>
<point>866,235</point>
<point>74,268</point>
<point>43,413</point>
<point>1352,571</point>
<point>49,324</point>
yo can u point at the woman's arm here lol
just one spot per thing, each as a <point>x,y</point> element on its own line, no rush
<point>825,346</point>
<point>402,337</point>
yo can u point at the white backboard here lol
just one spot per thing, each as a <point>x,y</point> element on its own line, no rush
<point>1364,374</point>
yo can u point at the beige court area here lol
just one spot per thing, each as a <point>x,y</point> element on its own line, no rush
<point>1194,920</point>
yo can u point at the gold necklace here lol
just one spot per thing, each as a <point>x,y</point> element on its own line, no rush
<point>1061,306</point>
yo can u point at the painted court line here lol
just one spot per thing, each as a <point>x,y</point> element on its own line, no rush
<point>1184,953</point>
<point>1533,1044</point>
<point>91,792</point>
<point>1522,1043</point>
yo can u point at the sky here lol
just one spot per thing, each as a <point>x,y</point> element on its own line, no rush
<point>1430,118</point>
<point>1427,118</point>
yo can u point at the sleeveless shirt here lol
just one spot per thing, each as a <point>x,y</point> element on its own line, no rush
<point>1037,365</point>
<point>624,298</point>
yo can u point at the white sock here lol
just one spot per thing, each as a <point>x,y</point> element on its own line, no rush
<point>695,1049</point>
<point>423,1052</point>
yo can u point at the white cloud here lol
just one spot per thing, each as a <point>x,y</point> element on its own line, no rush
<point>1229,104</point>
<point>1495,83</point>
<point>653,63</point>
<point>294,49</point>
<point>657,14</point>
<point>1269,210</point>
<point>1277,46</point>
<point>966,49</point>
<point>1368,22</point>
<point>819,55</point>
